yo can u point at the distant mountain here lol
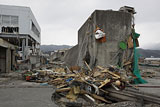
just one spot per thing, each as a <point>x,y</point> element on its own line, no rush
<point>143,52</point>
<point>50,48</point>
<point>146,53</point>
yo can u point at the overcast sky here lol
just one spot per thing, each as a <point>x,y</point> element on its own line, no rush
<point>60,19</point>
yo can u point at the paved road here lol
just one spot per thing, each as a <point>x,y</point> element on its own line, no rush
<point>26,97</point>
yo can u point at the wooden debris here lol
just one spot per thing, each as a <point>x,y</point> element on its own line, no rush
<point>87,66</point>
<point>104,83</point>
<point>71,96</point>
<point>90,98</point>
<point>130,42</point>
<point>63,89</point>
<point>61,85</point>
<point>106,70</point>
<point>76,90</point>
<point>114,87</point>
<point>76,68</point>
<point>96,73</point>
<point>127,63</point>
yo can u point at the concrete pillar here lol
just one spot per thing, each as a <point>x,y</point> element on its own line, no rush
<point>33,47</point>
<point>8,60</point>
<point>23,49</point>
<point>13,57</point>
<point>26,49</point>
<point>2,60</point>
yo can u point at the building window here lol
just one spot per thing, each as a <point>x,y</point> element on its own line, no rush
<point>9,29</point>
<point>14,21</point>
<point>35,30</point>
<point>6,20</point>
<point>9,24</point>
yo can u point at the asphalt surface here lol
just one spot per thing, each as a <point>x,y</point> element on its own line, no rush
<point>26,97</point>
<point>15,92</point>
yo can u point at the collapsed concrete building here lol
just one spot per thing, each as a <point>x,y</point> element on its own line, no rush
<point>19,27</point>
<point>58,55</point>
<point>117,27</point>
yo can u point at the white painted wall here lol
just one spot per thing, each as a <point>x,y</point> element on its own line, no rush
<point>25,16</point>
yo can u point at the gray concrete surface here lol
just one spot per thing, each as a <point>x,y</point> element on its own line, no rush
<point>150,86</point>
<point>117,27</point>
<point>19,93</point>
<point>153,85</point>
<point>14,83</point>
<point>26,97</point>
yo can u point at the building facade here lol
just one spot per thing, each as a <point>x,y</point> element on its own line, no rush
<point>19,27</point>
<point>7,56</point>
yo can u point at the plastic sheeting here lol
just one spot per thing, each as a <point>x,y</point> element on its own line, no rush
<point>136,71</point>
<point>99,34</point>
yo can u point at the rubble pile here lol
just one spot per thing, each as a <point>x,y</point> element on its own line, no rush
<point>89,84</point>
<point>83,86</point>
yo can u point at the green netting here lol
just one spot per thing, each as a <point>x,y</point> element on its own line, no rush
<point>123,45</point>
<point>136,71</point>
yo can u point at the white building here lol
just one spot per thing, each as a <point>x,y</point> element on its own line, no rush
<point>19,27</point>
<point>152,61</point>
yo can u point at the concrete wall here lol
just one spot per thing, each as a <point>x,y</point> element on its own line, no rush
<point>7,59</point>
<point>70,57</point>
<point>35,61</point>
<point>58,55</point>
<point>2,60</point>
<point>116,25</point>
<point>7,56</point>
